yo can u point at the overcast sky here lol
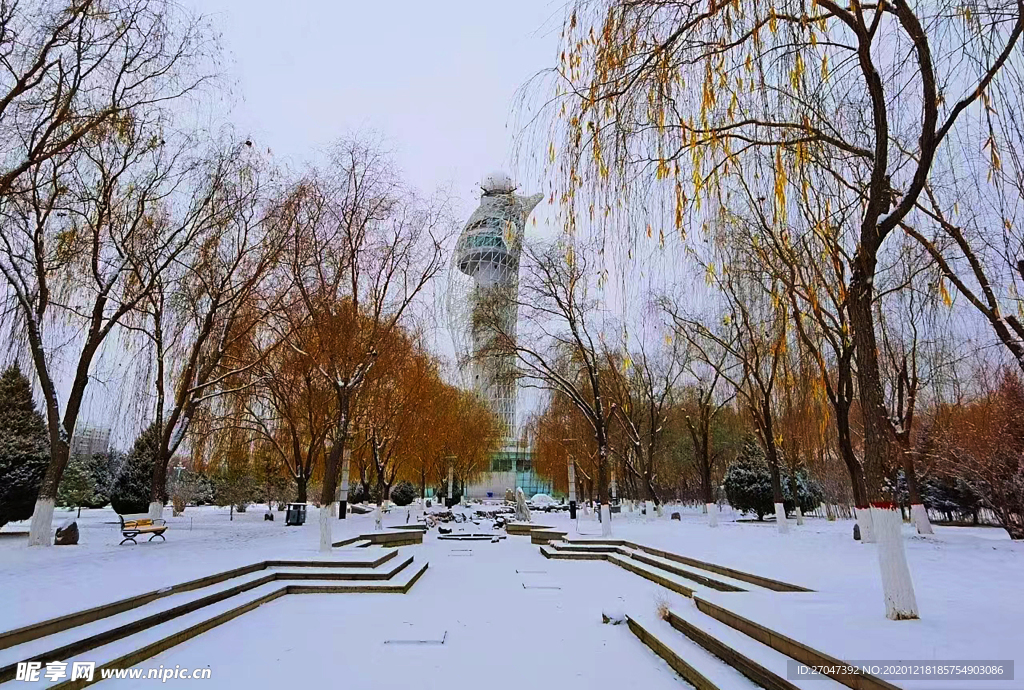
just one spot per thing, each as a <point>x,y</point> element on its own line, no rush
<point>436,78</point>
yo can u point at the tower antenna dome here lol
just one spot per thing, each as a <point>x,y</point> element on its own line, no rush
<point>498,183</point>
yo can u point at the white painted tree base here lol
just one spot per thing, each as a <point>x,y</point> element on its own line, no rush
<point>156,510</point>
<point>780,518</point>
<point>919,516</point>
<point>897,585</point>
<point>606,520</point>
<point>712,514</point>
<point>867,533</point>
<point>799,516</point>
<point>334,508</point>
<point>326,542</point>
<point>40,532</point>
<point>649,509</point>
<point>378,520</point>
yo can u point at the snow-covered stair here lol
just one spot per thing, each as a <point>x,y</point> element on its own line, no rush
<point>397,574</point>
<point>713,656</point>
<point>655,574</point>
<point>550,551</point>
<point>399,584</point>
<point>569,547</point>
<point>759,662</point>
<point>718,582</point>
<point>696,665</point>
<point>678,573</point>
<point>147,643</point>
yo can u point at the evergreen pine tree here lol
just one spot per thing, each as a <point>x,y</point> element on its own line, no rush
<point>77,487</point>
<point>747,482</point>
<point>104,468</point>
<point>24,447</point>
<point>404,493</point>
<point>130,494</point>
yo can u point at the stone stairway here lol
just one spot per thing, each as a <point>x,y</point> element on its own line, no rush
<point>124,633</point>
<point>713,649</point>
<point>678,573</point>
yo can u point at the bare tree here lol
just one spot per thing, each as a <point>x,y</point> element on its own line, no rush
<point>642,388</point>
<point>73,249</point>
<point>701,404</point>
<point>558,347</point>
<point>71,69</point>
<point>205,314</point>
<point>746,347</point>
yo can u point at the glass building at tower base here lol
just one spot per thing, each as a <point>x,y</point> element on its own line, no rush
<point>510,467</point>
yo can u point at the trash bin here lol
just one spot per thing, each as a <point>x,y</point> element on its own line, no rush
<point>296,514</point>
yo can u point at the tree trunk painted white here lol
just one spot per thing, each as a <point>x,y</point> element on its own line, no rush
<point>780,518</point>
<point>606,520</point>
<point>42,522</point>
<point>867,532</point>
<point>897,585</point>
<point>326,544</point>
<point>712,510</point>
<point>649,510</point>
<point>334,508</point>
<point>378,519</point>
<point>919,515</point>
<point>799,516</point>
<point>658,511</point>
<point>156,510</point>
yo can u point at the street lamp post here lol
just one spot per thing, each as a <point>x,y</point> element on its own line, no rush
<point>346,459</point>
<point>572,488</point>
<point>572,480</point>
<point>451,487</point>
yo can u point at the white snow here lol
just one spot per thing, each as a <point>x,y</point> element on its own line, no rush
<point>498,632</point>
<point>543,501</point>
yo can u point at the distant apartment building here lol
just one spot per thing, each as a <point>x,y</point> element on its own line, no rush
<point>89,441</point>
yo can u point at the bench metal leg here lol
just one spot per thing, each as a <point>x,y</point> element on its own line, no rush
<point>157,535</point>
<point>131,539</point>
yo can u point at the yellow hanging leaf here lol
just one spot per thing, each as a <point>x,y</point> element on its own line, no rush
<point>946,299</point>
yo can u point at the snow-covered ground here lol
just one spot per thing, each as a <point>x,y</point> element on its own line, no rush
<point>503,621</point>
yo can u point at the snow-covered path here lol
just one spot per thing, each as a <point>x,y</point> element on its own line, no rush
<point>970,584</point>
<point>496,632</point>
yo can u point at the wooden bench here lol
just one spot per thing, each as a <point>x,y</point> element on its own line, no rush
<point>141,526</point>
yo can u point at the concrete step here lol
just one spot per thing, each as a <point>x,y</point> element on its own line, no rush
<point>589,548</point>
<point>654,574</point>
<point>339,559</point>
<point>134,649</point>
<point>385,572</point>
<point>546,534</point>
<point>344,558</point>
<point>758,662</point>
<point>794,649</point>
<point>695,664</point>
<point>550,552</point>
<point>400,584</point>
<point>80,638</point>
<point>719,582</point>
<point>749,578</point>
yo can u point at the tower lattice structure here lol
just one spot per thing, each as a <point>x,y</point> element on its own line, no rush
<point>488,251</point>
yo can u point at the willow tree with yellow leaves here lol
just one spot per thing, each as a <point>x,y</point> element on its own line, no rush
<point>726,107</point>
